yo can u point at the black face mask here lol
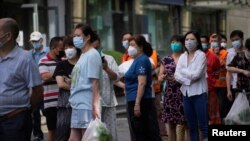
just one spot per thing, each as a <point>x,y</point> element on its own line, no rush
<point>60,55</point>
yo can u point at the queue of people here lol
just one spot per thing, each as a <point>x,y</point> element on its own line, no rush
<point>72,82</point>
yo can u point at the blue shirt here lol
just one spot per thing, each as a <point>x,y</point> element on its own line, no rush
<point>89,66</point>
<point>19,73</point>
<point>38,55</point>
<point>140,66</point>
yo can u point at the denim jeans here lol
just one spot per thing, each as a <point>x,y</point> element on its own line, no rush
<point>196,114</point>
<point>17,128</point>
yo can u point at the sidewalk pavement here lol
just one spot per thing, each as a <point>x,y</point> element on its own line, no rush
<point>122,129</point>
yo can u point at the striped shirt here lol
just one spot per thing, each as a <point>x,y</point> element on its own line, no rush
<point>51,90</point>
<point>19,73</point>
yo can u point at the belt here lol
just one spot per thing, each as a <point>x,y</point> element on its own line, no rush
<point>13,113</point>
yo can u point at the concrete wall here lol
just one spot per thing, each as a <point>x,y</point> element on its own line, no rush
<point>238,19</point>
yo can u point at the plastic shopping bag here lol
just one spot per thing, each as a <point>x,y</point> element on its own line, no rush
<point>97,131</point>
<point>238,111</point>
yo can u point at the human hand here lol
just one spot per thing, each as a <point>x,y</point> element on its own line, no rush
<point>246,73</point>
<point>162,77</point>
<point>229,95</point>
<point>137,110</point>
<point>67,80</point>
<point>95,112</point>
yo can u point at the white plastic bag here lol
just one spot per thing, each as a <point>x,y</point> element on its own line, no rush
<point>97,131</point>
<point>240,104</point>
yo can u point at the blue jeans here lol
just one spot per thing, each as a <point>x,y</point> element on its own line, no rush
<point>196,114</point>
<point>16,128</point>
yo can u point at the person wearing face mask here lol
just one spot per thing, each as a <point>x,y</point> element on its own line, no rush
<point>221,104</point>
<point>125,44</point>
<point>139,96</point>
<point>241,65</point>
<point>236,38</point>
<point>62,74</point>
<point>213,68</point>
<point>86,82</point>
<point>223,41</point>
<point>173,113</point>
<point>37,52</point>
<point>47,66</point>
<point>20,85</point>
<point>109,101</point>
<point>191,73</point>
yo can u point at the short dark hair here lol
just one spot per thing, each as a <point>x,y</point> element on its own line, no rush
<point>179,38</point>
<point>11,25</point>
<point>237,33</point>
<point>247,44</point>
<point>87,30</point>
<point>141,42</point>
<point>206,37</point>
<point>223,36</point>
<point>197,36</point>
<point>54,42</point>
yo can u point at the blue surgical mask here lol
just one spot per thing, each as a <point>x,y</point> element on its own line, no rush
<point>236,44</point>
<point>125,44</point>
<point>78,42</point>
<point>204,46</point>
<point>214,45</point>
<point>176,47</point>
<point>190,45</point>
<point>37,45</point>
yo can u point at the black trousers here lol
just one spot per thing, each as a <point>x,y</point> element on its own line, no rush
<point>145,127</point>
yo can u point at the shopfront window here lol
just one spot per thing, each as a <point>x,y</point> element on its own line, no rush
<point>100,18</point>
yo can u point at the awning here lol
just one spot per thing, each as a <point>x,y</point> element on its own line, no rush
<point>219,4</point>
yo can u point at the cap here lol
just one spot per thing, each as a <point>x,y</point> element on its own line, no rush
<point>35,36</point>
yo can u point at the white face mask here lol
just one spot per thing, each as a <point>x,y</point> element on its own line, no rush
<point>190,45</point>
<point>132,51</point>
<point>125,44</point>
<point>70,53</point>
<point>223,44</point>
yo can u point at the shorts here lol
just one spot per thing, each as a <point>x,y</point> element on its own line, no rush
<point>51,117</point>
<point>80,118</point>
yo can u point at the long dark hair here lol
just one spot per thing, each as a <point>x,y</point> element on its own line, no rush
<point>142,43</point>
<point>197,37</point>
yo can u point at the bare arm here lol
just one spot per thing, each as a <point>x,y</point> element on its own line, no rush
<point>228,81</point>
<point>112,75</point>
<point>95,100</point>
<point>162,74</point>
<point>36,95</point>
<point>142,81</point>
<point>47,76</point>
<point>238,70</point>
<point>61,83</point>
<point>120,84</point>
